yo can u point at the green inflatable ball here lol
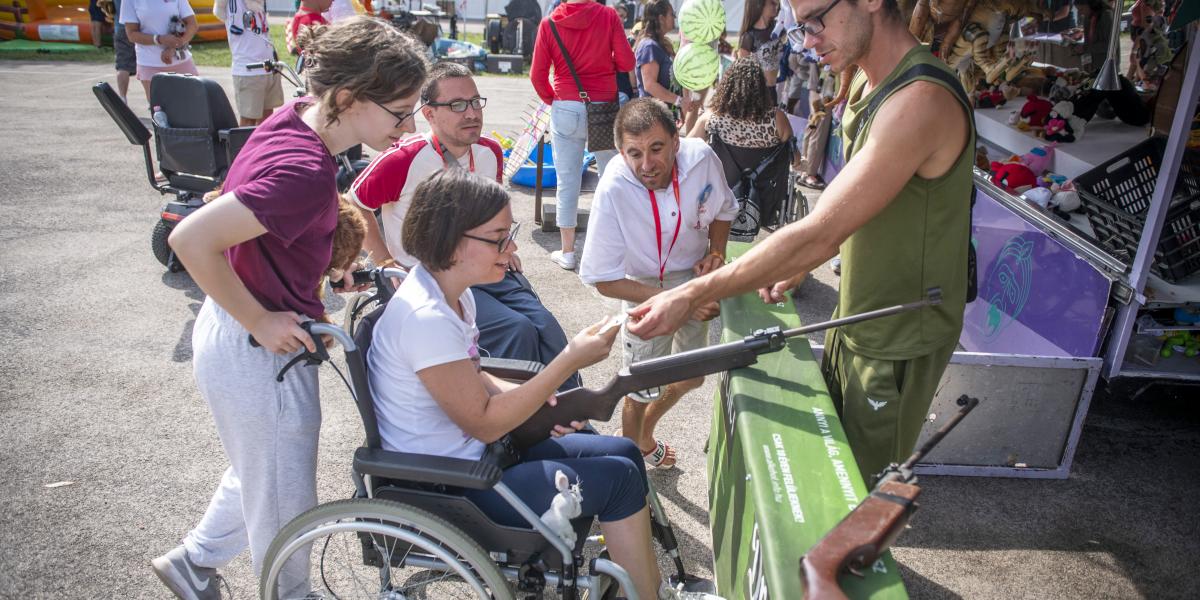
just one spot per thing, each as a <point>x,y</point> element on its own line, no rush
<point>695,66</point>
<point>702,21</point>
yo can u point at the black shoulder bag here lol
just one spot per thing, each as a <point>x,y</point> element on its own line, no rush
<point>601,116</point>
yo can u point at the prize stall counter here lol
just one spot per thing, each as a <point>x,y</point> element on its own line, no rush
<point>1062,301</point>
<point>1056,306</point>
<point>1149,254</point>
<point>781,474</point>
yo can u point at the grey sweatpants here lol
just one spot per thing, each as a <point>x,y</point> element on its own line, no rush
<point>269,431</point>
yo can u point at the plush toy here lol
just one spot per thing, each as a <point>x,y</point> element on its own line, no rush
<point>1038,159</point>
<point>1036,110</point>
<point>1066,201</point>
<point>566,505</point>
<point>973,36</point>
<point>1039,196</point>
<point>981,158</point>
<point>1014,177</point>
<point>1060,90</point>
<point>990,97</point>
<point>1062,125</point>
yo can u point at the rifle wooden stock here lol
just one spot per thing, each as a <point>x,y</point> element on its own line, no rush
<point>858,539</point>
<point>581,404</point>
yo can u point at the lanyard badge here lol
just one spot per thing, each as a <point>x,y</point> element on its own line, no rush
<point>701,203</point>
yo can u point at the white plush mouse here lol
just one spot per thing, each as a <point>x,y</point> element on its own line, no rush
<point>565,506</point>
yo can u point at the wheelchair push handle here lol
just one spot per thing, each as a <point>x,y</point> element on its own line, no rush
<point>361,277</point>
<point>315,330</point>
<point>276,66</point>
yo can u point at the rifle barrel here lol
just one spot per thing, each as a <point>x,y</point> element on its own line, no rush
<point>933,297</point>
<point>968,404</point>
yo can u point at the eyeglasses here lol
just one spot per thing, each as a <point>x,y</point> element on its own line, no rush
<point>813,25</point>
<point>400,117</point>
<point>458,106</point>
<point>502,243</point>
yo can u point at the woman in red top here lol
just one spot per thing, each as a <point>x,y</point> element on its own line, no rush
<point>595,39</point>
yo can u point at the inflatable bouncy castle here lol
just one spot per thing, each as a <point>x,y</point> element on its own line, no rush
<point>68,21</point>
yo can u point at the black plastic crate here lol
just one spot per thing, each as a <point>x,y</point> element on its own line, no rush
<point>1116,195</point>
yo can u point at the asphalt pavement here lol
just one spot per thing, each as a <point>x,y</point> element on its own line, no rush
<point>110,456</point>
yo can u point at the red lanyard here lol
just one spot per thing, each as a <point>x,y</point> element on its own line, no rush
<point>662,264</point>
<point>437,147</point>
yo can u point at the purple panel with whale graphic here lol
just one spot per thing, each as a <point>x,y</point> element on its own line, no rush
<point>1036,297</point>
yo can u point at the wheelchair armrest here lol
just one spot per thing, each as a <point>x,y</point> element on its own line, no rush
<point>511,368</point>
<point>426,468</point>
<point>234,139</point>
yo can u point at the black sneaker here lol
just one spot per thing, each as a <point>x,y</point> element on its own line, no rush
<point>184,578</point>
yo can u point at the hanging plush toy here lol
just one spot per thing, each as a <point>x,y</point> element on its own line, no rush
<point>982,47</point>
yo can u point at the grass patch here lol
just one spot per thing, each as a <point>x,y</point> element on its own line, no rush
<point>205,54</point>
<point>209,54</point>
<point>94,55</point>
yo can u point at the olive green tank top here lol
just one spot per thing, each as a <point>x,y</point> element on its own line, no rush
<point>917,242</point>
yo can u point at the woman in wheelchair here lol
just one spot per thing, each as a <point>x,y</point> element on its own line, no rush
<point>257,251</point>
<point>431,397</point>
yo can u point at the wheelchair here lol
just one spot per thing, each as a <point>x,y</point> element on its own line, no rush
<point>197,147</point>
<point>409,533</point>
<point>194,152</point>
<point>761,179</point>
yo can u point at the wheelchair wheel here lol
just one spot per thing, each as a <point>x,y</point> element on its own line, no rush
<point>356,308</point>
<point>158,242</point>
<point>370,548</point>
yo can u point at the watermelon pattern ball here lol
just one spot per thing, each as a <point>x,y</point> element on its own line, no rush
<point>695,66</point>
<point>702,21</point>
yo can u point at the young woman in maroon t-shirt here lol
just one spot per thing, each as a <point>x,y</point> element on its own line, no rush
<point>258,252</point>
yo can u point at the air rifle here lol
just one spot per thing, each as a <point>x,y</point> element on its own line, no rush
<point>858,540</point>
<point>581,404</point>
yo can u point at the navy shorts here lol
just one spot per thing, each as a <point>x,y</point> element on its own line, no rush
<point>126,55</point>
<point>97,14</point>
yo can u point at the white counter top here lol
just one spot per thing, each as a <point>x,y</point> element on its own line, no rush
<point>1102,140</point>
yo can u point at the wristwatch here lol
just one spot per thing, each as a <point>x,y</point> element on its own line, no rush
<point>156,40</point>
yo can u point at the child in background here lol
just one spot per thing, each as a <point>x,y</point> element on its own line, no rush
<point>307,15</point>
<point>256,93</point>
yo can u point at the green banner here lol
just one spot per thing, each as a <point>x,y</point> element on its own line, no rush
<point>781,474</point>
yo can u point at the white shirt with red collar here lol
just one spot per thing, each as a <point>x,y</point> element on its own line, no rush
<point>389,181</point>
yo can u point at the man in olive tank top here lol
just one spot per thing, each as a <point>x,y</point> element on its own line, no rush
<point>899,214</point>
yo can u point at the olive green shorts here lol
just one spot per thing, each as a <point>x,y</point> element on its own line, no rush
<point>882,403</point>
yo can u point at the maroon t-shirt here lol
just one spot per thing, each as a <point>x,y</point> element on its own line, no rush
<point>287,178</point>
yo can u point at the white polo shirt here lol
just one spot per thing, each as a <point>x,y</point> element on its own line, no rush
<point>389,181</point>
<point>620,237</point>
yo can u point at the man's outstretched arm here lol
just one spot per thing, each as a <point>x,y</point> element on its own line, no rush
<point>908,131</point>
